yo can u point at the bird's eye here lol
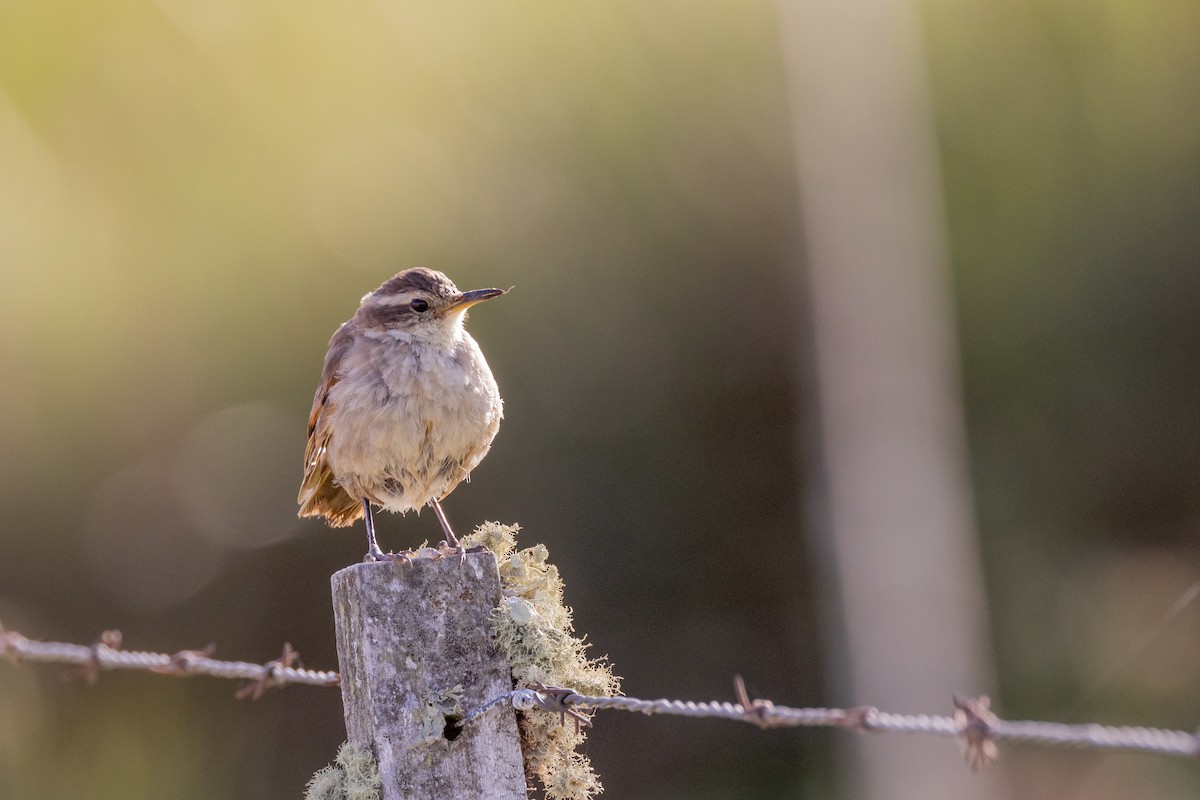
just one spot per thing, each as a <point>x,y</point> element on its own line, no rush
<point>420,306</point>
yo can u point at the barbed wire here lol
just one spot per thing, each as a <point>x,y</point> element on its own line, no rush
<point>973,723</point>
<point>106,654</point>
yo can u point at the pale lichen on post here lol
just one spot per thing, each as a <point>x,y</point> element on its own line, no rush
<point>352,776</point>
<point>534,630</point>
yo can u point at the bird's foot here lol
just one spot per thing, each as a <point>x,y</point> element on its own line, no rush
<point>445,549</point>
<point>404,556</point>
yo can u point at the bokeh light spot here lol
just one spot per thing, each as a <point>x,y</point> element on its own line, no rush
<point>140,544</point>
<point>236,473</point>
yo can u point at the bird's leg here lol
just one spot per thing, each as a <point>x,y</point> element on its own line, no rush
<point>373,551</point>
<point>451,539</point>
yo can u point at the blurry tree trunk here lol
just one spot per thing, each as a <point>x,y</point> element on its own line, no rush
<point>414,643</point>
<point>896,539</point>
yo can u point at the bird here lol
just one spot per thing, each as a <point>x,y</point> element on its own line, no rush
<point>406,407</point>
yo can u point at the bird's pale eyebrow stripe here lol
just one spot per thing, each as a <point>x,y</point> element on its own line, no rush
<point>398,299</point>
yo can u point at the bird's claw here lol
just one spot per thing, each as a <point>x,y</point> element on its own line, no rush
<point>404,556</point>
<point>444,549</point>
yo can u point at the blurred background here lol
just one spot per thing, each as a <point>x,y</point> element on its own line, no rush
<point>193,195</point>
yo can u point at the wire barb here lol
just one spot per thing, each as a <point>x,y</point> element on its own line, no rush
<point>270,674</point>
<point>89,670</point>
<point>557,699</point>
<point>976,722</point>
<point>757,711</point>
<point>182,663</point>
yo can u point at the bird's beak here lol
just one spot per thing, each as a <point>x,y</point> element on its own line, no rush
<point>468,299</point>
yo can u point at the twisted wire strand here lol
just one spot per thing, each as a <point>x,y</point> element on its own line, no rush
<point>107,655</point>
<point>972,722</point>
<point>1154,740</point>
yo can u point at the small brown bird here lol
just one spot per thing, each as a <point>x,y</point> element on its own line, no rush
<point>406,408</point>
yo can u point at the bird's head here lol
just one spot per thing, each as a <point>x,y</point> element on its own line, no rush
<point>421,302</point>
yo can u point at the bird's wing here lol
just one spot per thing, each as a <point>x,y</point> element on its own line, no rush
<point>320,495</point>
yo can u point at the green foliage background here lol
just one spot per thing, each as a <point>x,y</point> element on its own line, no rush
<point>193,195</point>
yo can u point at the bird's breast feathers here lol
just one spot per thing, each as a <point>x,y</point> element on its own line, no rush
<point>399,404</point>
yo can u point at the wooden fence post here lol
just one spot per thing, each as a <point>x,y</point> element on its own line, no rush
<point>408,635</point>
